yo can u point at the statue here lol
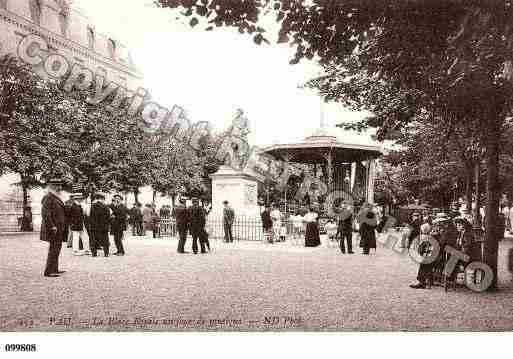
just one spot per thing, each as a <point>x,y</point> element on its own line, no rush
<point>240,125</point>
<point>234,149</point>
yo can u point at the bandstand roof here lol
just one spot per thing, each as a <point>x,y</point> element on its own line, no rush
<point>312,149</point>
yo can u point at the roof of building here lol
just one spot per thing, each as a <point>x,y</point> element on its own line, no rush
<point>313,148</point>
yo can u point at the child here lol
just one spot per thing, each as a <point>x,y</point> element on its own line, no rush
<point>331,231</point>
<point>283,232</point>
<point>298,231</point>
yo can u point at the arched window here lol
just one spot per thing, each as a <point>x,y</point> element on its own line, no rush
<point>35,11</point>
<point>3,4</point>
<point>90,38</point>
<point>112,48</point>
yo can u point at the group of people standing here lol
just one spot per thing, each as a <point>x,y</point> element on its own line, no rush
<point>147,220</point>
<point>191,219</point>
<point>88,227</point>
<point>339,228</point>
<point>273,226</point>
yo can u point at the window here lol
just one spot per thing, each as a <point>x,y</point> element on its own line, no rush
<point>3,4</point>
<point>112,48</point>
<point>100,71</point>
<point>90,38</point>
<point>64,23</point>
<point>123,82</point>
<point>130,60</point>
<point>35,11</point>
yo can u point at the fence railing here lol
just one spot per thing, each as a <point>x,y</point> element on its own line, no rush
<point>11,222</point>
<point>244,228</point>
<point>167,227</point>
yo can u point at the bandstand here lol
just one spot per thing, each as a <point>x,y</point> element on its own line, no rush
<point>330,165</point>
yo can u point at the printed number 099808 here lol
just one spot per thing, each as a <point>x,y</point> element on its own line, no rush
<point>20,347</point>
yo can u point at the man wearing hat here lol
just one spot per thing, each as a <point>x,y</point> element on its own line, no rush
<point>415,224</point>
<point>77,225</point>
<point>181,217</point>
<point>100,220</point>
<point>118,223</point>
<point>53,225</point>
<point>228,219</point>
<point>197,220</point>
<point>345,227</point>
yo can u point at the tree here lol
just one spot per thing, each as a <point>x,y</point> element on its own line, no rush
<point>46,131</point>
<point>178,169</point>
<point>30,125</point>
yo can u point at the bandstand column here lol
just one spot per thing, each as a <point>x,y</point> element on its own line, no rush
<point>371,173</point>
<point>353,176</point>
<point>286,159</point>
<point>329,161</point>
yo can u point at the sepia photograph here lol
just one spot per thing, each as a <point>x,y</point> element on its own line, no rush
<point>255,167</point>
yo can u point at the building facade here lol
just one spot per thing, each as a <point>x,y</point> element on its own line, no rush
<point>70,33</point>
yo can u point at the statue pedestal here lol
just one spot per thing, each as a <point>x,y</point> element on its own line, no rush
<point>240,190</point>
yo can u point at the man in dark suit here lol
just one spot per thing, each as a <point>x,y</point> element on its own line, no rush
<point>415,224</point>
<point>228,219</point>
<point>132,214</point>
<point>118,223</point>
<point>100,220</point>
<point>267,223</point>
<point>53,226</point>
<point>345,228</point>
<point>181,216</point>
<point>139,220</point>
<point>197,220</point>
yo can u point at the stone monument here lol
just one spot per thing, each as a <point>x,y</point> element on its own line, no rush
<point>230,183</point>
<point>236,187</point>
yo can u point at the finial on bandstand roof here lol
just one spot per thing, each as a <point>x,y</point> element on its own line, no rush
<point>321,131</point>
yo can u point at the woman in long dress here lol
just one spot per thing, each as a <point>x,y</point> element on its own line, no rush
<point>368,233</point>
<point>312,238</point>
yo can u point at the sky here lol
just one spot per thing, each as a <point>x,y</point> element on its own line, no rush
<point>211,74</point>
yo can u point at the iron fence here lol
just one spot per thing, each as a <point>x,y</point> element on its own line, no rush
<point>167,228</point>
<point>245,228</point>
<point>10,222</point>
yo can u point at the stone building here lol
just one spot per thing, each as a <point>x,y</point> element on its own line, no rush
<point>70,33</point>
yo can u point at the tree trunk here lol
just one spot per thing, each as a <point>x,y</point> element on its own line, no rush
<point>26,221</point>
<point>154,196</point>
<point>136,195</point>
<point>492,196</point>
<point>468,189</point>
<point>476,211</point>
<point>173,198</point>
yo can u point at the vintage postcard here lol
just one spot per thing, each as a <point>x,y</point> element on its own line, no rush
<point>255,166</point>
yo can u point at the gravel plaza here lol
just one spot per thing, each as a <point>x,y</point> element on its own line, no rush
<point>241,286</point>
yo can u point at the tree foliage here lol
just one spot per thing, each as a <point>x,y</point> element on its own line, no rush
<point>30,123</point>
<point>46,131</point>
